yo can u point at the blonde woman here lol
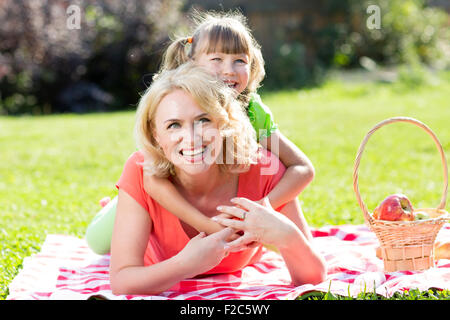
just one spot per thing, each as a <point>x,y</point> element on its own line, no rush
<point>190,130</point>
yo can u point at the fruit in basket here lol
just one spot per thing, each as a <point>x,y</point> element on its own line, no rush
<point>395,207</point>
<point>442,249</point>
<point>421,215</point>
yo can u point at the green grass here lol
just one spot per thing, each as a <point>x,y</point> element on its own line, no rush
<point>413,294</point>
<point>329,124</point>
<point>54,169</point>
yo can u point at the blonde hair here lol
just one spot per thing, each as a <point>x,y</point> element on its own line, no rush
<point>225,32</point>
<point>212,96</point>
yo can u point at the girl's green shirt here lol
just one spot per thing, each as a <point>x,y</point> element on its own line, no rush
<point>260,117</point>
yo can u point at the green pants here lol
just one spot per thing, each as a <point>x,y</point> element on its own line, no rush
<point>99,232</point>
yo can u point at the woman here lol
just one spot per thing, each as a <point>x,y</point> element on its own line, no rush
<point>191,130</point>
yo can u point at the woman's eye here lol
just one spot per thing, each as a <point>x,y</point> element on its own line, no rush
<point>204,120</point>
<point>173,125</point>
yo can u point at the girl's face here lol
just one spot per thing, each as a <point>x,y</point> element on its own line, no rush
<point>233,69</point>
<point>188,136</point>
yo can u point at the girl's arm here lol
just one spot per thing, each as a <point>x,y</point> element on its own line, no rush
<point>165,193</point>
<point>299,169</point>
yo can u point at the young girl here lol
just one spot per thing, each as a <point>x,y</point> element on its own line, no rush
<point>223,44</point>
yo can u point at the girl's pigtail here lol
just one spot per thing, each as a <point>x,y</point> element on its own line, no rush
<point>176,54</point>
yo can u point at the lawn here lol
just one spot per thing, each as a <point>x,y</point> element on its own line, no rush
<point>54,169</point>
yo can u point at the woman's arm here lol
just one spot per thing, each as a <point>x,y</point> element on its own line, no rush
<point>293,211</point>
<point>299,172</point>
<point>129,275</point>
<point>165,193</point>
<point>303,263</point>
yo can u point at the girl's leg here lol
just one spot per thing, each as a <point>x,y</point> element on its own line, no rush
<point>99,232</point>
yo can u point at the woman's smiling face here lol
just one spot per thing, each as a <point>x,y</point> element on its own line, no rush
<point>188,136</point>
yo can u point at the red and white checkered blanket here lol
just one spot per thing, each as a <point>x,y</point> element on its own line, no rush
<point>66,268</point>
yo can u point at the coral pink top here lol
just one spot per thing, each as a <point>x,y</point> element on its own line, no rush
<point>167,236</point>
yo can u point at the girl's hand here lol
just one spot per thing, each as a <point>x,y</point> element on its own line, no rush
<point>260,223</point>
<point>202,252</point>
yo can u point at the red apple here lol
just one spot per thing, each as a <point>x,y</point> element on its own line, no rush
<point>395,207</point>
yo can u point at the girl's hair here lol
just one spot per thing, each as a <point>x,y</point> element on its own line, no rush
<point>225,32</point>
<point>212,96</point>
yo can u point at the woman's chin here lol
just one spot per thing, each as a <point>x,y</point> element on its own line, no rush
<point>195,170</point>
<point>194,166</point>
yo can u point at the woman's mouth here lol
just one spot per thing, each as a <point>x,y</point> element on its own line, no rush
<point>194,155</point>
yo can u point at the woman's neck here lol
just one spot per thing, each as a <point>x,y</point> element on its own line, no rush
<point>207,190</point>
<point>200,184</point>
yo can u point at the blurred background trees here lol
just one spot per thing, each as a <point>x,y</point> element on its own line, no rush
<point>47,67</point>
<point>103,65</point>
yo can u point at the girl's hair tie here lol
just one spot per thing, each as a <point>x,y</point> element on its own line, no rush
<point>189,40</point>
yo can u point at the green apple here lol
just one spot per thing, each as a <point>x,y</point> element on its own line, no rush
<point>420,215</point>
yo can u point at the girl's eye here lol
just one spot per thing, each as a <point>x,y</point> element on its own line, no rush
<point>216,59</point>
<point>241,61</point>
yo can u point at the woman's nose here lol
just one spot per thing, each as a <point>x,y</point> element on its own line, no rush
<point>192,136</point>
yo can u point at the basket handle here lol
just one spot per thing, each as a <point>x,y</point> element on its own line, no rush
<point>364,142</point>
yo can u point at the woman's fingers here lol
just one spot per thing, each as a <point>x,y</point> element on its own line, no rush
<point>246,203</point>
<point>224,215</point>
<point>199,235</point>
<point>223,234</point>
<point>236,224</point>
<point>232,211</point>
<point>241,242</point>
<point>251,245</point>
<point>233,237</point>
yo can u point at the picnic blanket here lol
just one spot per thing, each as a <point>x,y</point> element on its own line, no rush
<point>66,268</point>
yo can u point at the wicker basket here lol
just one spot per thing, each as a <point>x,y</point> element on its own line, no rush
<point>406,245</point>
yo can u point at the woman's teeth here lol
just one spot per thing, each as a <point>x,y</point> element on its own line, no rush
<point>194,152</point>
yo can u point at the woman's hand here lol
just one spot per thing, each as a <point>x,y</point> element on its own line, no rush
<point>259,222</point>
<point>202,252</point>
